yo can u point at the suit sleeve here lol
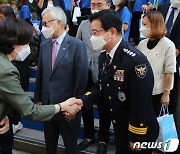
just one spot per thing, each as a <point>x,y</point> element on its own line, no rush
<point>141,84</point>
<point>79,32</point>
<point>14,96</point>
<point>38,89</point>
<point>80,70</point>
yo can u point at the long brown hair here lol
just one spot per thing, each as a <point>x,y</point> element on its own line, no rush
<point>158,28</point>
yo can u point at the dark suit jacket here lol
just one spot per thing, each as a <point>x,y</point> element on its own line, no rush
<point>69,75</point>
<point>175,33</point>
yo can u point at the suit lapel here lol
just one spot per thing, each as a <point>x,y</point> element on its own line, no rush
<point>166,8</point>
<point>176,22</point>
<point>49,55</point>
<point>62,50</point>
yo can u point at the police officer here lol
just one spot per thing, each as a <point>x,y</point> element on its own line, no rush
<point>125,83</point>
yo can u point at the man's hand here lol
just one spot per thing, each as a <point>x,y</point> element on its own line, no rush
<point>4,125</point>
<point>71,106</point>
<point>131,145</point>
<point>78,102</point>
<point>69,116</point>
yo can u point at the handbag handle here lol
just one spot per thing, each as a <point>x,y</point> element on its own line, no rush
<point>164,110</point>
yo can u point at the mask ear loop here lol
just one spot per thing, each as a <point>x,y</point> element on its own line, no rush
<point>21,47</point>
<point>16,51</point>
<point>109,39</point>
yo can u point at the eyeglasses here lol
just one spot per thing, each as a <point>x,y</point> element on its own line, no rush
<point>44,23</point>
<point>94,32</point>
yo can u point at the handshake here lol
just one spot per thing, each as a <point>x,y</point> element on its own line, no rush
<point>70,107</point>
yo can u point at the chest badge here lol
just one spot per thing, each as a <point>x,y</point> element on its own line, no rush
<point>119,75</point>
<point>121,96</point>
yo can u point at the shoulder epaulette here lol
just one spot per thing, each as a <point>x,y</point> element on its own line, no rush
<point>129,52</point>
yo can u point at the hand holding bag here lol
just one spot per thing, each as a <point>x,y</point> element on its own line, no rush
<point>167,130</point>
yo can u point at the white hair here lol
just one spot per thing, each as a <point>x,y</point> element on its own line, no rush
<point>56,13</point>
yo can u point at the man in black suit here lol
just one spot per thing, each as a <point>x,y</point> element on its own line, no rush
<point>166,9</point>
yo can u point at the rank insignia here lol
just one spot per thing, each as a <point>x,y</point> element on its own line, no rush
<point>88,93</point>
<point>119,75</point>
<point>141,70</point>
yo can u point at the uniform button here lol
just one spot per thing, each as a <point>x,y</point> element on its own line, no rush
<point>111,110</point>
<point>109,97</point>
<point>107,84</point>
<point>114,121</point>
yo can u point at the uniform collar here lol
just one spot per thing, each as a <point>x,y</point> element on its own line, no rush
<point>112,52</point>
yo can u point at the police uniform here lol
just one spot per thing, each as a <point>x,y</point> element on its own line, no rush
<point>126,85</point>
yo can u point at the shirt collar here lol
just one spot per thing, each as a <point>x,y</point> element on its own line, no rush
<point>174,7</point>
<point>60,38</point>
<point>112,52</point>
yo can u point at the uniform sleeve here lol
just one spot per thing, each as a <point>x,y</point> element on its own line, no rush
<point>15,97</point>
<point>141,84</point>
<point>170,59</point>
<point>92,96</point>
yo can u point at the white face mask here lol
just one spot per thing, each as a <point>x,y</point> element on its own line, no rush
<point>117,2</point>
<point>21,55</point>
<point>145,31</point>
<point>47,32</point>
<point>94,11</point>
<point>98,42</point>
<point>175,3</point>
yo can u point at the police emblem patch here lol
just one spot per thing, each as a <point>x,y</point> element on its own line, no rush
<point>141,70</point>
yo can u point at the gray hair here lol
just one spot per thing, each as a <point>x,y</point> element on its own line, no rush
<point>56,13</point>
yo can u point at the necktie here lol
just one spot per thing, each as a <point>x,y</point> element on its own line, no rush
<point>169,23</point>
<point>107,60</point>
<point>54,52</point>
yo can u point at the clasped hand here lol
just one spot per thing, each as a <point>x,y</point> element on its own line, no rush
<point>70,107</point>
<point>4,125</point>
